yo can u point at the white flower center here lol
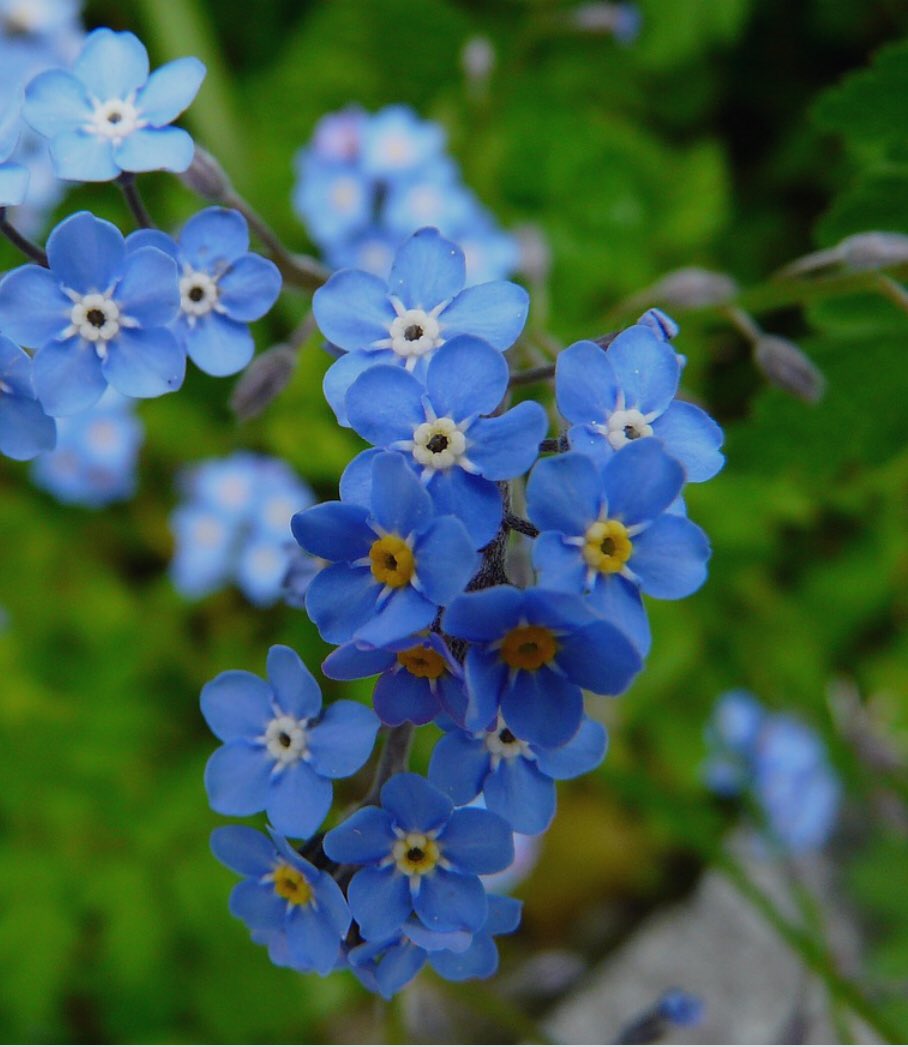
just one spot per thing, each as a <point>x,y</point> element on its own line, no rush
<point>414,333</point>
<point>198,294</point>
<point>345,194</point>
<point>285,739</point>
<point>502,745</point>
<point>102,435</point>
<point>94,317</point>
<point>625,426</point>
<point>115,119</point>
<point>396,149</point>
<point>438,444</point>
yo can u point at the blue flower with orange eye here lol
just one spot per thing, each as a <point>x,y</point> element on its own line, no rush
<point>25,430</point>
<point>531,653</point>
<point>419,855</point>
<point>393,563</point>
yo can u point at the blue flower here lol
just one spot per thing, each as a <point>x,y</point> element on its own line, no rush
<point>334,199</point>
<point>395,140</point>
<point>25,430</point>
<point>94,462</point>
<point>613,398</point>
<point>281,751</point>
<point>393,562</point>
<point>516,779</point>
<point>97,316</point>
<point>420,680</point>
<point>531,651</point>
<point>404,321</point>
<point>108,115</point>
<point>459,455</point>
<point>419,855</point>
<point>223,287</point>
<point>13,177</point>
<point>284,898</point>
<point>606,532</point>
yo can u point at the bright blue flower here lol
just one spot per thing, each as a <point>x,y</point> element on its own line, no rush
<point>420,680</point>
<point>613,398</point>
<point>283,898</point>
<point>281,750</point>
<point>94,462</point>
<point>531,652</point>
<point>108,115</point>
<point>606,532</point>
<point>25,430</point>
<point>439,428</point>
<point>13,176</point>
<point>96,317</point>
<point>404,321</point>
<point>395,141</point>
<point>516,779</point>
<point>393,562</point>
<point>223,287</point>
<point>421,855</point>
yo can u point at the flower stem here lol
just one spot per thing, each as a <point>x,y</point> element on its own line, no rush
<point>127,182</point>
<point>21,242</point>
<point>394,758</point>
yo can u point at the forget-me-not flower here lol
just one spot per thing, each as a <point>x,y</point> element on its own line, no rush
<point>25,430</point>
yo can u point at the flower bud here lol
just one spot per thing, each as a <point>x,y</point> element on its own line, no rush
<point>535,253</point>
<point>264,379</point>
<point>784,365</point>
<point>622,21</point>
<point>478,59</point>
<point>874,250</point>
<point>694,289</point>
<point>206,177</point>
<point>661,324</point>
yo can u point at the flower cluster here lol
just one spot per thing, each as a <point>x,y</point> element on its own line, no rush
<point>781,764</point>
<point>365,182</point>
<point>414,588</point>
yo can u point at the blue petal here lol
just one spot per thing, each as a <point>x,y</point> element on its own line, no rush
<point>152,238</point>
<point>333,530</point>
<point>523,796</point>
<point>237,777</point>
<point>78,156</point>
<point>584,752</point>
<point>298,800</point>
<point>16,369</point>
<point>213,238</point>
<point>459,766</point>
<point>366,836</point>
<point>504,915</point>
<point>356,480</point>
<point>406,612</point>
<point>479,961</point>
<point>427,270</point>
<point>585,385</point>
<point>507,445</point>
<point>495,312</point>
<point>432,941</point>
<point>313,941</point>
<point>398,967</point>
<point>384,404</point>
<point>401,697</point>
<point>543,707</point>
<point>450,901</point>
<point>236,704</point>
<point>560,566</point>
<point>352,309</point>
<point>25,430</point>
<point>343,373</point>
<point>333,903</point>
<point>33,309</point>
<point>641,481</point>
<point>477,841</point>
<point>618,601</point>
<point>476,502</point>
<point>466,377</point>
<point>112,65</point>
<point>149,289</point>
<point>380,901</point>
<point>218,346</point>
<point>169,90</point>
<point>400,503</point>
<point>295,688</point>
<point>350,662</point>
<point>86,254</point>
<point>343,739</point>
<point>145,363</point>
<point>155,149</point>
<point>243,849</point>
<point>645,368</point>
<point>558,610</point>
<point>68,377</point>
<point>13,184</point>
<point>55,101</point>
<point>485,615</point>
<point>258,906</point>
<point>486,675</point>
<point>599,658</point>
<point>692,437</point>
<point>564,494</point>
<point>341,599</point>
<point>445,559</point>
<point>414,804</point>
<point>249,288</point>
<point>670,558</point>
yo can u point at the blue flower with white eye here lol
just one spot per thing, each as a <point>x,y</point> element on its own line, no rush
<point>404,321</point>
<point>334,198</point>
<point>108,115</point>
<point>25,430</point>
<point>223,287</point>
<point>420,679</point>
<point>96,317</point>
<point>531,652</point>
<point>516,779</point>
<point>284,897</point>
<point>94,462</point>
<point>431,196</point>
<point>606,532</point>
<point>627,393</point>
<point>439,428</point>
<point>394,563</point>
<point>13,176</point>
<point>281,751</point>
<point>421,855</point>
<point>395,140</point>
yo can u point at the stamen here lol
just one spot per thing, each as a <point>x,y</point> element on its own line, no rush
<point>607,546</point>
<point>528,647</point>
<point>392,561</point>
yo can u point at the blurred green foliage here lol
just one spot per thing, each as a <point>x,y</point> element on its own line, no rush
<point>703,143</point>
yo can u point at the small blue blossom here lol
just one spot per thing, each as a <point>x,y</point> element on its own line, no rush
<point>108,115</point>
<point>13,176</point>
<point>607,532</point>
<point>96,317</point>
<point>516,779</point>
<point>25,430</point>
<point>627,393</point>
<point>404,321</point>
<point>284,899</point>
<point>394,563</point>
<point>281,751</point>
<point>421,855</point>
<point>459,454</point>
<point>396,141</point>
<point>223,287</point>
<point>531,653</point>
<point>335,199</point>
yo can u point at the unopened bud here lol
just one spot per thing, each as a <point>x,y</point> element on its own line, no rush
<point>622,21</point>
<point>535,253</point>
<point>874,250</point>
<point>264,379</point>
<point>783,364</point>
<point>661,324</point>
<point>478,58</point>
<point>694,289</point>
<point>206,177</point>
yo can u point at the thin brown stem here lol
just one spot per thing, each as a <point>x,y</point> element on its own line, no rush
<point>22,243</point>
<point>127,182</point>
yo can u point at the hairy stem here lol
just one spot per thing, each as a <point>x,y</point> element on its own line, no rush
<point>532,374</point>
<point>22,243</point>
<point>517,523</point>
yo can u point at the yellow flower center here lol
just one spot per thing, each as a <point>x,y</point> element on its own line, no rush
<point>416,854</point>
<point>392,561</point>
<point>528,647</point>
<point>607,547</point>
<point>290,883</point>
<point>424,662</point>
